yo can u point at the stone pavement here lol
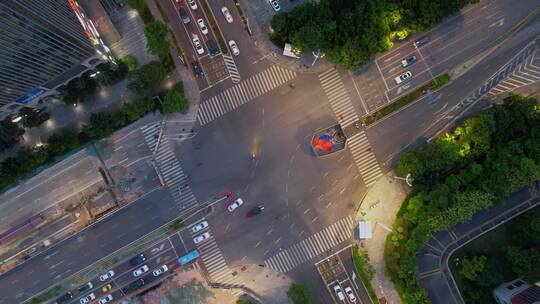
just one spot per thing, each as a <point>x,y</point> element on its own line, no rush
<point>380,205</point>
<point>271,286</point>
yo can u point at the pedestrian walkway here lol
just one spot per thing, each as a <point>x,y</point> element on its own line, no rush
<point>242,93</point>
<point>526,73</point>
<point>151,134</point>
<point>311,247</point>
<point>231,67</point>
<point>364,158</point>
<point>214,262</point>
<point>174,177</point>
<point>338,97</point>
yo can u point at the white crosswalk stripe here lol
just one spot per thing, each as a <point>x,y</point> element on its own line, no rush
<point>309,248</point>
<point>363,158</point>
<point>338,97</point>
<point>528,72</point>
<point>150,134</point>
<point>215,263</point>
<point>174,177</point>
<point>243,92</point>
<point>231,67</point>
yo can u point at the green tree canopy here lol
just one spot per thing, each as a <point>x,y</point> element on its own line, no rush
<point>130,61</point>
<point>156,37</point>
<point>175,100</point>
<point>139,5</point>
<point>299,294</point>
<point>471,267</point>
<point>144,80</point>
<point>10,134</point>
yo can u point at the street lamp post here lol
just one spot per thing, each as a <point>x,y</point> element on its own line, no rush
<point>408,179</point>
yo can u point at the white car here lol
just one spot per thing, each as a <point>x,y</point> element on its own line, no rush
<point>403,77</point>
<point>198,45</point>
<point>106,276</point>
<point>339,293</point>
<point>275,5</point>
<point>202,26</point>
<point>87,299</point>
<point>160,270</point>
<point>235,205</point>
<point>201,238</point>
<point>350,294</point>
<point>200,226</point>
<point>106,299</point>
<point>227,14</point>
<point>140,271</point>
<point>234,48</point>
<point>192,4</point>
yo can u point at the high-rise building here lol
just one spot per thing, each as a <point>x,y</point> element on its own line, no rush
<point>43,44</point>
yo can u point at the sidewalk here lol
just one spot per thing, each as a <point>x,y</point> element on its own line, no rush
<point>271,286</point>
<point>380,206</point>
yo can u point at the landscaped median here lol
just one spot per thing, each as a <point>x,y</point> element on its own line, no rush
<point>215,28</point>
<point>364,270</point>
<point>435,84</point>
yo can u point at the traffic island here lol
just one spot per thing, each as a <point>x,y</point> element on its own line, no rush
<point>403,101</point>
<point>328,140</point>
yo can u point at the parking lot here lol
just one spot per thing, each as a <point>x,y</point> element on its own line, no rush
<point>337,277</point>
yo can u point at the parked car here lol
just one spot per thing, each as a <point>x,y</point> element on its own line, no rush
<point>408,61</point>
<point>106,288</point>
<point>86,287</point>
<point>159,271</point>
<point>420,42</point>
<point>200,226</point>
<point>403,77</point>
<point>227,14</point>
<point>106,276</point>
<point>275,5</point>
<point>140,270</point>
<point>133,286</point>
<point>339,292</point>
<point>197,69</point>
<point>192,4</point>
<point>88,298</point>
<point>198,46</point>
<point>139,259</point>
<point>202,26</point>
<point>234,48</point>
<point>64,298</point>
<point>183,15</point>
<point>350,294</point>
<point>106,299</point>
<point>212,47</point>
<point>235,205</point>
<point>201,238</point>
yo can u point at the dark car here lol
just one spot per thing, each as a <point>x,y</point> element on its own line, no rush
<point>133,286</point>
<point>183,15</point>
<point>212,47</point>
<point>254,211</point>
<point>86,287</point>
<point>408,61</point>
<point>137,260</point>
<point>197,69</point>
<point>422,41</point>
<point>64,298</point>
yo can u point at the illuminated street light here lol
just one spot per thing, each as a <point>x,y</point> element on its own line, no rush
<point>408,179</point>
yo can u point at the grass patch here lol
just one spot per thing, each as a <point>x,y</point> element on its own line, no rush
<point>438,82</point>
<point>364,270</point>
<point>215,27</point>
<point>177,224</point>
<point>53,292</point>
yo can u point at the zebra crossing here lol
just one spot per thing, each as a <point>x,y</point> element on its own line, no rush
<point>338,97</point>
<point>242,93</point>
<point>150,134</point>
<point>528,72</point>
<point>231,67</point>
<point>215,264</point>
<point>364,158</point>
<point>311,247</point>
